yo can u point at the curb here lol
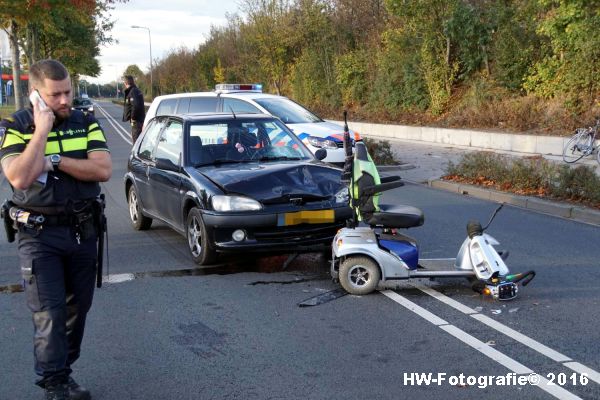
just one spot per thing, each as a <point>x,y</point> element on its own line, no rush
<point>564,210</point>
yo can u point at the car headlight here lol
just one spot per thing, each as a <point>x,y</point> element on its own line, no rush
<point>234,203</point>
<point>322,143</point>
<point>342,196</point>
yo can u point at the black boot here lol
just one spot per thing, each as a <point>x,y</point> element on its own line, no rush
<point>77,392</point>
<point>57,391</point>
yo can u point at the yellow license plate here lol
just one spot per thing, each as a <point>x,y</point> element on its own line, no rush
<point>306,217</point>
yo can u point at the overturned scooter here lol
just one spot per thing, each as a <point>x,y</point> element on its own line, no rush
<point>371,253</point>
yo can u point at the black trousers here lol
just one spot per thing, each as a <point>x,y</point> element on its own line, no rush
<point>136,129</point>
<point>59,277</point>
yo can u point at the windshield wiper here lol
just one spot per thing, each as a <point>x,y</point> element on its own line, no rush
<point>279,158</point>
<point>217,161</point>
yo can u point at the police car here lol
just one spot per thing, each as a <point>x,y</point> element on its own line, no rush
<point>314,132</point>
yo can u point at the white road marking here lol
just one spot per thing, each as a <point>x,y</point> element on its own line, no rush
<point>120,130</point>
<point>519,337</point>
<point>488,351</point>
<point>118,278</point>
<point>582,369</point>
<point>555,390</point>
<point>434,319</point>
<point>445,299</point>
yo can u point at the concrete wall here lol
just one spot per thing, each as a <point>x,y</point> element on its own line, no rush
<point>535,144</point>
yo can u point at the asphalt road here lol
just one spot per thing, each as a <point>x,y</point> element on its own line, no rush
<point>235,331</point>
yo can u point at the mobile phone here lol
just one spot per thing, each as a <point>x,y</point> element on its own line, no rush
<point>35,97</point>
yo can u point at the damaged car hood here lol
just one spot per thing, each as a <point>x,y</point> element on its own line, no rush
<point>276,182</point>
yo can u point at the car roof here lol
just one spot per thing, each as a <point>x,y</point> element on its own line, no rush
<point>218,117</point>
<point>250,94</point>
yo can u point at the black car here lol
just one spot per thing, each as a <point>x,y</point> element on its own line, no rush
<point>83,104</point>
<point>234,183</point>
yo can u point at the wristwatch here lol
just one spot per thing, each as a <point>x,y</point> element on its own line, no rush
<point>55,160</point>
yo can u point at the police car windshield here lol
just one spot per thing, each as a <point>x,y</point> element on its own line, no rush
<point>288,111</point>
<point>81,102</point>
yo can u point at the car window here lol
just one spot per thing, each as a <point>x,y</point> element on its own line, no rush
<point>183,105</point>
<point>243,141</point>
<point>238,106</point>
<point>203,104</point>
<point>210,133</point>
<point>287,111</point>
<point>150,139</point>
<point>170,142</point>
<point>166,107</point>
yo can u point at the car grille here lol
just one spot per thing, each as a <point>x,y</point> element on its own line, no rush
<point>298,233</point>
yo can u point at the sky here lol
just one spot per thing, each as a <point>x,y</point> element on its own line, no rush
<point>172,24</point>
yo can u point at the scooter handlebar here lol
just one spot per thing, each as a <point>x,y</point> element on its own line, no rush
<point>530,275</point>
<point>382,187</point>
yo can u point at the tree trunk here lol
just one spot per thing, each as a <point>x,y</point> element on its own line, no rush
<point>16,65</point>
<point>31,46</point>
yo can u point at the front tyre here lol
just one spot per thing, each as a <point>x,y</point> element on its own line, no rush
<point>359,275</point>
<point>200,249</point>
<point>139,221</point>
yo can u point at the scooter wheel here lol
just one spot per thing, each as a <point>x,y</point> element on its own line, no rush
<point>359,275</point>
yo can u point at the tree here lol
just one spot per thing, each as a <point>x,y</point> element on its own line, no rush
<point>572,68</point>
<point>69,30</point>
<point>271,33</point>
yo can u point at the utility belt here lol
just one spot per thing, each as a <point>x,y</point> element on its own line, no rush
<point>81,216</point>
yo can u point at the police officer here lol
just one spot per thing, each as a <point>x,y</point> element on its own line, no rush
<point>133,107</point>
<point>54,157</point>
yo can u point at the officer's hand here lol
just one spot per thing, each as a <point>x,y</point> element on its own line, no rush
<point>43,119</point>
<point>48,166</point>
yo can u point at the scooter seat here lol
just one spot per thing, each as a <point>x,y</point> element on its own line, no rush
<point>396,216</point>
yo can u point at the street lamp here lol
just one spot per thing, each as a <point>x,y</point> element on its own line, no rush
<point>150,43</point>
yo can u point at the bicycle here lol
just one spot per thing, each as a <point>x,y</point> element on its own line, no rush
<point>582,144</point>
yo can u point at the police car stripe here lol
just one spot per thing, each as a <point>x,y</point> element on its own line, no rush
<point>96,135</point>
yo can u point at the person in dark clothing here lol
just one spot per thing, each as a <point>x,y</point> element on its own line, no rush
<point>133,107</point>
<point>54,158</point>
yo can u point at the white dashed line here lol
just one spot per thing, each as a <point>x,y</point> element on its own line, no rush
<point>502,359</point>
<point>515,335</point>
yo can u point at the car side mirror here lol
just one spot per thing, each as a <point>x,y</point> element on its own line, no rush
<point>321,154</point>
<point>166,164</point>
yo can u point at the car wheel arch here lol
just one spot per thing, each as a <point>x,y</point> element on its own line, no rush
<point>188,204</point>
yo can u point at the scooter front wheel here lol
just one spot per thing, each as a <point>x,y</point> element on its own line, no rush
<point>359,275</point>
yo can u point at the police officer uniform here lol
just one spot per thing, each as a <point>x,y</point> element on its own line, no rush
<point>133,110</point>
<point>57,257</point>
